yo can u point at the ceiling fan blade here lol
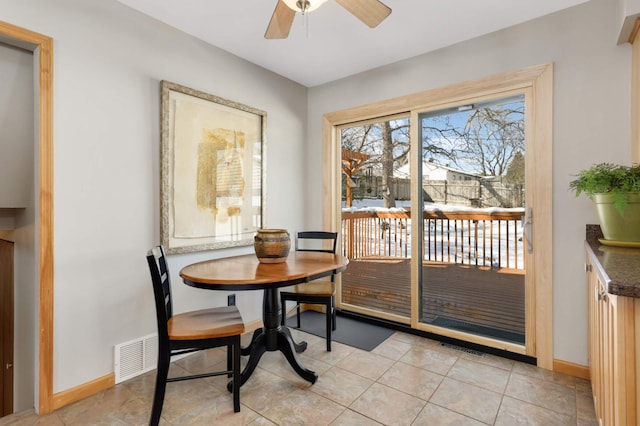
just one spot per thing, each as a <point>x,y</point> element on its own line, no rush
<point>371,12</point>
<point>281,21</point>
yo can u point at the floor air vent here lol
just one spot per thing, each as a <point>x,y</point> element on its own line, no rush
<point>461,349</point>
<point>135,357</point>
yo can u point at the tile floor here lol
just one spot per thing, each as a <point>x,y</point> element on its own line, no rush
<point>407,380</point>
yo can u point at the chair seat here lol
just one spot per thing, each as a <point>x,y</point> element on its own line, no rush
<point>206,323</point>
<point>313,288</point>
<point>321,291</point>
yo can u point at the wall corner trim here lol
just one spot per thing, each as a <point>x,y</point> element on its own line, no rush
<point>571,369</point>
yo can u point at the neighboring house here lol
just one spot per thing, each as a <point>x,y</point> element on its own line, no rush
<point>433,171</point>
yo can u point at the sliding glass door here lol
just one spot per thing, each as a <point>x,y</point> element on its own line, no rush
<point>469,260</point>
<point>437,200</point>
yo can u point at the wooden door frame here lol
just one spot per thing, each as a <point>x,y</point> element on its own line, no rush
<point>539,81</point>
<point>42,48</point>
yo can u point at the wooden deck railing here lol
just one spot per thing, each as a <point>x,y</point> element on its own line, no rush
<point>481,237</point>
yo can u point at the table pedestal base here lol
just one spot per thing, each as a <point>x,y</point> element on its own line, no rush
<point>274,337</point>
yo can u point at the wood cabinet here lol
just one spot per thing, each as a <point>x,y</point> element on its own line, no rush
<point>614,350</point>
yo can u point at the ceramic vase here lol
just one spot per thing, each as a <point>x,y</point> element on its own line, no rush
<point>272,245</point>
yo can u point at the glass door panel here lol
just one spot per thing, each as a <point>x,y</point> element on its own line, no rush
<point>376,226</point>
<point>473,189</point>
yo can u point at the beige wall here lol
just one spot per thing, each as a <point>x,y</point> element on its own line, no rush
<point>591,123</point>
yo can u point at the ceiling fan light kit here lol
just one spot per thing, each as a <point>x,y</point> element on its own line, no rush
<point>304,6</point>
<point>371,12</point>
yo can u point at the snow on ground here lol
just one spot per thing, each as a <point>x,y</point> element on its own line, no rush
<point>468,234</point>
<point>376,205</point>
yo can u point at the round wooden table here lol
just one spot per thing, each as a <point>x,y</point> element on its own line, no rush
<point>247,273</point>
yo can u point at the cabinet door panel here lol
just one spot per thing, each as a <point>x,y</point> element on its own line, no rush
<point>612,346</point>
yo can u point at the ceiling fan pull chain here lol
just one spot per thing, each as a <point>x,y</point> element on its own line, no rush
<point>306,24</point>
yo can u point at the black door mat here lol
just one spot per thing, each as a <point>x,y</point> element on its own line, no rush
<point>348,331</point>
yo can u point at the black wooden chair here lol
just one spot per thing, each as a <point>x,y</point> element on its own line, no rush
<point>190,332</point>
<point>318,292</point>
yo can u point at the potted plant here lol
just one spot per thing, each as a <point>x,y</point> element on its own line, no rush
<point>615,189</point>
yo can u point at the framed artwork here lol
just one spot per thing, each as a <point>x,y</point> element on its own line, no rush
<point>212,171</point>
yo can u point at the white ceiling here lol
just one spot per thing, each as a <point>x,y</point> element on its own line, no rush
<point>330,43</point>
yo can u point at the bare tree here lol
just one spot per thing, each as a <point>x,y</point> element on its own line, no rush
<point>357,149</point>
<point>386,145</point>
<point>485,143</point>
<point>515,171</point>
<point>395,149</point>
<point>492,138</point>
<point>358,139</point>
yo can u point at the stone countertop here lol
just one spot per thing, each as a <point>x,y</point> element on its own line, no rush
<point>620,267</point>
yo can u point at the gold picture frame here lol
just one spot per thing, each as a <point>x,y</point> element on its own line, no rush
<point>212,171</point>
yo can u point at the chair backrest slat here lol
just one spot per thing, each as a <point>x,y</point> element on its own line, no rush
<point>316,236</point>
<point>156,259</point>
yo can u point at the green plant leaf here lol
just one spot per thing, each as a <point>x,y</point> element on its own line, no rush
<point>608,178</point>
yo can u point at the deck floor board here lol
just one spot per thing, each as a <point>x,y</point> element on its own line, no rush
<point>476,295</point>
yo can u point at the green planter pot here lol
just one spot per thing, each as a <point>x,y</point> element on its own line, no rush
<point>617,227</point>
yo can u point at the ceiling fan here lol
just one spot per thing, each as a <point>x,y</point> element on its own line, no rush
<point>371,12</point>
